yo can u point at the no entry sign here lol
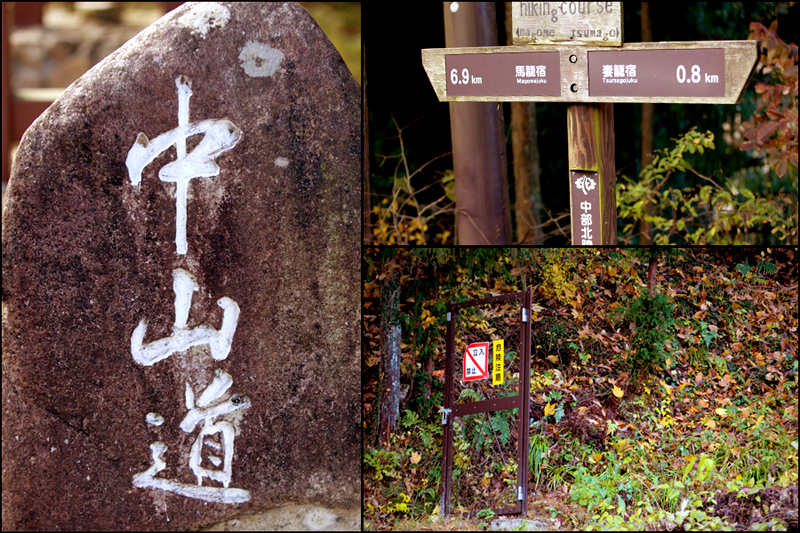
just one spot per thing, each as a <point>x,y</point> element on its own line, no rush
<point>476,361</point>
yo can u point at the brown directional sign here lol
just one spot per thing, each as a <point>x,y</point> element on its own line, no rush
<point>708,72</point>
<point>522,74</point>
<point>586,23</point>
<point>699,72</point>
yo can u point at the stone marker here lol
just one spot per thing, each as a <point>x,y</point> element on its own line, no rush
<point>181,283</point>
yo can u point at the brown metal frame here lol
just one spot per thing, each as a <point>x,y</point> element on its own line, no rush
<point>521,401</point>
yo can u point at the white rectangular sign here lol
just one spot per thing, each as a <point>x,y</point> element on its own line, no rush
<point>476,361</point>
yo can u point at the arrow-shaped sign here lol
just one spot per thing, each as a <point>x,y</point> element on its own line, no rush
<point>707,72</point>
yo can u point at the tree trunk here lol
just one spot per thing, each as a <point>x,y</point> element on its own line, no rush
<point>652,272</point>
<point>527,173</point>
<point>478,135</point>
<point>390,356</point>
<point>645,235</point>
<point>366,201</point>
<point>525,156</point>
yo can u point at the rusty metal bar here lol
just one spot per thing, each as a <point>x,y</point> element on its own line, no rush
<point>524,408</point>
<point>492,299</point>
<point>447,455</point>
<point>486,406</point>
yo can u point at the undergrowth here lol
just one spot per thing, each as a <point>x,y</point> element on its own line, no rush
<point>708,440</point>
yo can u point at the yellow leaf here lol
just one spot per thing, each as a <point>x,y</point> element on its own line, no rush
<point>617,392</point>
<point>711,424</point>
<point>597,456</point>
<point>549,409</point>
<point>415,458</point>
<point>552,358</point>
<point>721,411</point>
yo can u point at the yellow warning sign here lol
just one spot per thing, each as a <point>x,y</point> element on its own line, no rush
<point>497,360</point>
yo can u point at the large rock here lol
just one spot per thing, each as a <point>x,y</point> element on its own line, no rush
<point>173,362</point>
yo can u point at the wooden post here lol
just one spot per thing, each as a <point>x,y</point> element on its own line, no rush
<point>479,163</point>
<point>593,181</point>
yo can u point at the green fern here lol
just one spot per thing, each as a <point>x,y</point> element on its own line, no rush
<point>410,418</point>
<point>537,449</point>
<point>765,267</point>
<point>469,394</point>
<point>500,424</point>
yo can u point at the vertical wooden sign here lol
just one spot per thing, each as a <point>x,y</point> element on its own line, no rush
<point>593,181</point>
<point>585,208</point>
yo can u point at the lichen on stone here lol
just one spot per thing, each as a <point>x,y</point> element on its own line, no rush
<point>260,60</point>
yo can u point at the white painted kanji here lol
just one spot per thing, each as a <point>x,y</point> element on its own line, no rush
<point>219,135</point>
<point>211,455</point>
<point>218,340</point>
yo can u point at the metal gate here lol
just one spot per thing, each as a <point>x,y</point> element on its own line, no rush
<point>474,332</point>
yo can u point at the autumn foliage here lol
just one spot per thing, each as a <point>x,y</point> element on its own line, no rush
<point>773,128</point>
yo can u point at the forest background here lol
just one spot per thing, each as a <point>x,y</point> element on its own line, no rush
<point>733,179</point>
<point>663,388</point>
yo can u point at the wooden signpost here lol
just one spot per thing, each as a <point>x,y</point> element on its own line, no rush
<point>578,67</point>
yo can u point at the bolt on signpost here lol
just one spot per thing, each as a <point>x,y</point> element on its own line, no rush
<point>573,52</point>
<point>515,337</point>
